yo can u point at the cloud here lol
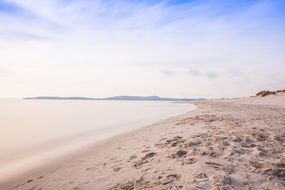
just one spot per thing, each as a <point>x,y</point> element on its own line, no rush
<point>193,72</point>
<point>19,36</point>
<point>212,75</point>
<point>127,43</point>
<point>205,73</point>
<point>168,73</point>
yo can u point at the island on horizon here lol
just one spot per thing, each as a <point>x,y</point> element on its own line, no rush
<point>130,98</point>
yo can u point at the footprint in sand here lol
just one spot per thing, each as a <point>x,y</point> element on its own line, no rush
<point>144,159</point>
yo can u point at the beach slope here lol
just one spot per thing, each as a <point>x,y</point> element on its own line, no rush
<point>224,144</point>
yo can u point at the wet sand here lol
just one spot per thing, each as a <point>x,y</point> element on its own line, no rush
<point>224,144</point>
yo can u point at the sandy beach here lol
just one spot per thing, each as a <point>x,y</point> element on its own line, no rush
<point>142,95</point>
<point>223,144</point>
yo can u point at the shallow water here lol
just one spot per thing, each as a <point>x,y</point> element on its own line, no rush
<point>35,130</point>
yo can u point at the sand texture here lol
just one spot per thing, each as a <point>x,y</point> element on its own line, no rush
<point>224,144</point>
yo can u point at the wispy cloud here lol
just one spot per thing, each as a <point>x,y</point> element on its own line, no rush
<point>212,75</point>
<point>216,39</point>
<point>194,72</point>
<point>168,72</point>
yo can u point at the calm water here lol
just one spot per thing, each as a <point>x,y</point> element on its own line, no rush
<point>32,131</point>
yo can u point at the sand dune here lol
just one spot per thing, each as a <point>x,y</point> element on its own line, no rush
<point>224,144</point>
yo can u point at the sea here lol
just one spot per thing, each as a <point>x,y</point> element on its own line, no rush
<point>33,132</point>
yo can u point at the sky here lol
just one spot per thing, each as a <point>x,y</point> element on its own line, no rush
<point>174,48</point>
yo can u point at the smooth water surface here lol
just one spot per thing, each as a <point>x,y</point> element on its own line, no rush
<point>34,130</point>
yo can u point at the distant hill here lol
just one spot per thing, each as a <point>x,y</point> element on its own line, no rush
<point>130,98</point>
<point>58,98</point>
<point>147,98</point>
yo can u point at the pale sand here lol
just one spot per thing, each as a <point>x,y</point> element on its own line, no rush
<point>224,144</point>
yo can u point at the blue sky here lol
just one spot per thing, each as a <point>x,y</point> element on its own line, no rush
<point>169,48</point>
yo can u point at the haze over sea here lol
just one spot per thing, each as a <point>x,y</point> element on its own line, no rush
<point>34,131</point>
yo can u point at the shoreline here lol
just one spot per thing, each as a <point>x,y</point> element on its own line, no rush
<point>61,157</point>
<point>223,144</point>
